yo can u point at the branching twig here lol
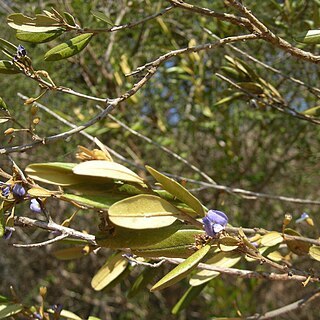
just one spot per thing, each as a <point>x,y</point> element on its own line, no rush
<point>41,244</point>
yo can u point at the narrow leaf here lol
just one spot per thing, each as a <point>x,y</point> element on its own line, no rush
<point>7,67</point>
<point>143,212</point>
<point>107,169</point>
<point>101,16</point>
<point>69,48</point>
<point>111,270</point>
<point>178,191</point>
<point>182,270</point>
<point>68,253</point>
<point>7,310</point>
<point>310,37</point>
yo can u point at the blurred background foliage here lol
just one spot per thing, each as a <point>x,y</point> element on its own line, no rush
<point>236,141</point>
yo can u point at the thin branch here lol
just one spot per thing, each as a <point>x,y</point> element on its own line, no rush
<point>52,226</point>
<point>299,304</point>
<point>41,244</point>
<point>247,274</point>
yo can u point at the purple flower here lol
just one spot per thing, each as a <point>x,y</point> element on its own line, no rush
<point>21,51</point>
<point>5,191</point>
<point>8,233</point>
<point>214,222</point>
<point>18,190</point>
<point>35,206</point>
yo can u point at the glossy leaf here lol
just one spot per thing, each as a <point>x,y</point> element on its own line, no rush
<point>118,237</point>
<point>143,212</point>
<point>182,270</point>
<point>296,246</point>
<point>314,252</point>
<point>190,295</point>
<point>107,169</point>
<point>101,16</point>
<point>41,23</point>
<point>7,67</point>
<point>144,278</point>
<point>178,191</point>
<point>220,259</point>
<point>69,48</point>
<point>178,245</point>
<point>9,309</point>
<point>271,239</point>
<point>66,314</point>
<point>111,270</point>
<point>38,37</point>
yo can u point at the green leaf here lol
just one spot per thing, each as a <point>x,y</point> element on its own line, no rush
<point>93,318</point>
<point>69,48</point>
<point>144,278</point>
<point>314,252</point>
<point>228,243</point>
<point>178,191</point>
<point>118,237</point>
<point>2,220</point>
<point>310,37</point>
<point>70,19</point>
<point>143,212</point>
<point>41,23</point>
<point>3,106</point>
<point>94,201</point>
<point>178,245</point>
<point>107,169</point>
<point>251,87</point>
<point>315,111</point>
<point>111,270</point>
<point>66,314</point>
<point>68,253</point>
<point>8,309</point>
<point>271,239</point>
<point>182,270</point>
<point>296,246</point>
<point>38,37</point>
<point>8,67</point>
<point>8,47</point>
<point>101,16</point>
<point>220,259</point>
<point>190,295</point>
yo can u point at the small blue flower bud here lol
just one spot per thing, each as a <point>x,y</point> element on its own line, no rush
<point>8,233</point>
<point>35,206</point>
<point>214,222</point>
<point>18,190</point>
<point>5,191</point>
<point>21,51</point>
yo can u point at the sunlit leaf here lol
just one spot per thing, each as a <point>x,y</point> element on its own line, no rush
<point>68,253</point>
<point>39,192</point>
<point>9,309</point>
<point>228,243</point>
<point>101,16</point>
<point>8,47</point>
<point>41,23</point>
<point>38,37</point>
<point>310,37</point>
<point>315,111</point>
<point>111,270</point>
<point>220,259</point>
<point>190,295</point>
<point>178,191</point>
<point>107,169</point>
<point>66,314</point>
<point>70,19</point>
<point>69,48</point>
<point>314,252</point>
<point>182,270</point>
<point>271,239</point>
<point>275,256</point>
<point>143,212</point>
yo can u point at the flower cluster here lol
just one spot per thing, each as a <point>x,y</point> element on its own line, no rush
<point>214,222</point>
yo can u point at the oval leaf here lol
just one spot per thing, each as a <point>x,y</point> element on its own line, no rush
<point>111,270</point>
<point>107,169</point>
<point>8,309</point>
<point>228,243</point>
<point>38,37</point>
<point>221,259</point>
<point>178,245</point>
<point>314,252</point>
<point>69,48</point>
<point>118,238</point>
<point>271,239</point>
<point>182,270</point>
<point>296,246</point>
<point>69,253</point>
<point>178,191</point>
<point>143,212</point>
<point>310,37</point>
